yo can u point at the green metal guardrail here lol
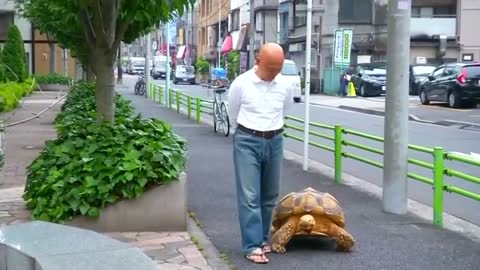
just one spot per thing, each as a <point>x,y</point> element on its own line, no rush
<point>177,99</point>
<point>337,137</point>
<point>438,166</point>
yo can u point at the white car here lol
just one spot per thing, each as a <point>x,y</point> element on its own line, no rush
<point>291,73</point>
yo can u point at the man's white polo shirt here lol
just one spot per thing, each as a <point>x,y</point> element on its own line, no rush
<point>257,104</point>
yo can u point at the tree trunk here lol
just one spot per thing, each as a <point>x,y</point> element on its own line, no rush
<point>105,88</point>
<point>90,74</point>
<point>53,57</point>
<point>119,67</point>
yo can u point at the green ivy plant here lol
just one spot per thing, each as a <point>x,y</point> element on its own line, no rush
<point>90,166</point>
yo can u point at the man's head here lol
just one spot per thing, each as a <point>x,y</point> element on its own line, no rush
<point>269,61</point>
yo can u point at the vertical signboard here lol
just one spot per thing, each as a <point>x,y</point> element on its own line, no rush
<point>342,47</point>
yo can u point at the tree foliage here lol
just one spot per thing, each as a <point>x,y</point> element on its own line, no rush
<point>93,30</point>
<point>13,56</point>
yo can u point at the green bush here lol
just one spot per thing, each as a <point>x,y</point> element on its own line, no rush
<point>53,78</point>
<point>11,93</point>
<point>2,67</point>
<point>202,67</point>
<point>13,56</point>
<point>90,166</point>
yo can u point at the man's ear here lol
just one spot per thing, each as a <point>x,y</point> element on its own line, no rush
<point>257,60</point>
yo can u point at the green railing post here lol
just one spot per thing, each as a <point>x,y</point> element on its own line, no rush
<point>150,94</point>
<point>338,154</point>
<point>154,92</point>
<point>170,98</point>
<point>160,95</point>
<point>438,172</point>
<point>189,106</point>
<point>177,96</point>
<point>198,109</point>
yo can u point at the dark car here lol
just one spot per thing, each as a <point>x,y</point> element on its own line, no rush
<point>418,75</point>
<point>457,84</point>
<point>370,79</point>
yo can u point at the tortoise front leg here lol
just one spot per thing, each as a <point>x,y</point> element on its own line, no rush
<point>344,239</point>
<point>281,237</point>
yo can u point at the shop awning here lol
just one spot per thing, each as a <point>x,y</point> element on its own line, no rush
<point>181,52</point>
<point>242,38</point>
<point>227,45</point>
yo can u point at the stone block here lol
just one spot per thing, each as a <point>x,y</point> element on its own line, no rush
<point>162,208</point>
<point>47,246</point>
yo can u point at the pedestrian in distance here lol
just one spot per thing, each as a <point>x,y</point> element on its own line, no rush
<point>345,78</point>
<point>258,101</point>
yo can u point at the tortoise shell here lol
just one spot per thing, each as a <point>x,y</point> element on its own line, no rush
<point>308,201</point>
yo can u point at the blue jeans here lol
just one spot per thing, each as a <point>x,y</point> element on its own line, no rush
<point>258,166</point>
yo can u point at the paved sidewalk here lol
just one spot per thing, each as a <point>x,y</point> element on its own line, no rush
<point>384,241</point>
<point>172,250</point>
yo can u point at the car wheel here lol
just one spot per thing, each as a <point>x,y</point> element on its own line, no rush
<point>296,99</point>
<point>423,97</point>
<point>453,100</point>
<point>363,91</point>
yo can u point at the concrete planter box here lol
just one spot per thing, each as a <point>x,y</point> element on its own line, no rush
<point>53,87</point>
<point>163,208</point>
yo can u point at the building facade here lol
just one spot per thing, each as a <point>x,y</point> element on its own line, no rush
<point>212,20</point>
<point>43,54</point>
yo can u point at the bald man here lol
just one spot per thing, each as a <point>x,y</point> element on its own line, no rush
<point>258,100</point>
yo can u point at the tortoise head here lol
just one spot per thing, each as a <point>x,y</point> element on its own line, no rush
<point>306,223</point>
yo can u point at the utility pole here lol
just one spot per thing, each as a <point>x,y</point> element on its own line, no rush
<point>219,44</point>
<point>148,45</point>
<point>308,57</point>
<point>167,69</point>
<point>396,108</point>
<point>252,34</point>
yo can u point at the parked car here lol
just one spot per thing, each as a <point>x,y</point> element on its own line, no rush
<point>370,79</point>
<point>418,75</point>
<point>184,73</point>
<point>291,73</point>
<point>457,84</point>
<point>160,66</point>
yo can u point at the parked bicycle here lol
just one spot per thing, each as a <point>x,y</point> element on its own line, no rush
<point>220,111</point>
<point>140,85</point>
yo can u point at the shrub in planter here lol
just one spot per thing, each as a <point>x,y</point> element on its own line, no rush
<point>53,78</point>
<point>13,56</point>
<point>90,166</point>
<point>12,92</point>
<point>80,106</point>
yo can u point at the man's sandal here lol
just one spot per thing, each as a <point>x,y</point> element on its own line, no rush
<point>257,256</point>
<point>266,248</point>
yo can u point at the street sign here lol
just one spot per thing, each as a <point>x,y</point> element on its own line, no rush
<point>342,47</point>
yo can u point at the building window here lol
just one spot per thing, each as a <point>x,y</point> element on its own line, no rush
<point>355,11</point>
<point>6,19</point>
<point>438,11</point>
<point>300,13</point>
<point>235,19</point>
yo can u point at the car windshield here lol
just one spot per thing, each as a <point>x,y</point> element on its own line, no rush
<point>138,64</point>
<point>473,71</point>
<point>375,71</point>
<point>423,70</point>
<point>289,69</point>
<point>185,69</point>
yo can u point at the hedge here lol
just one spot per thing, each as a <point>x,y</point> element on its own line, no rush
<point>90,166</point>
<point>53,78</point>
<point>12,92</point>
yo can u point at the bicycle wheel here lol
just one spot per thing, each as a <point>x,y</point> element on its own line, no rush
<point>137,87</point>
<point>225,119</point>
<point>215,115</point>
<point>142,89</point>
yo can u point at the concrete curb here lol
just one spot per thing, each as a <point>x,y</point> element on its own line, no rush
<point>420,210</point>
<point>210,252</point>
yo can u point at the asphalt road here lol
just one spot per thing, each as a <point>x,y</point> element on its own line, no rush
<point>428,135</point>
<point>437,111</point>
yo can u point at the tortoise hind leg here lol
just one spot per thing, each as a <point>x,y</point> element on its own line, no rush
<point>344,239</point>
<point>281,237</point>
